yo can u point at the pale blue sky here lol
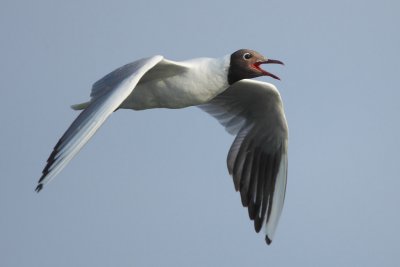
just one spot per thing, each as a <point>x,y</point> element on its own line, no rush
<point>152,188</point>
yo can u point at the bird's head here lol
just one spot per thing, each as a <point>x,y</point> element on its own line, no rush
<point>245,64</point>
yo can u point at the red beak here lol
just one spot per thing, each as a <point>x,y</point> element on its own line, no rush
<point>268,61</point>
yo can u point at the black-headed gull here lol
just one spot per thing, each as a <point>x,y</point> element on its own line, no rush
<point>253,110</point>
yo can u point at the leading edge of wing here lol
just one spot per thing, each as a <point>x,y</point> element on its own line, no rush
<point>90,119</point>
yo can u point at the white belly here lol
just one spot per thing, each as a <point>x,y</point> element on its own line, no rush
<point>187,89</point>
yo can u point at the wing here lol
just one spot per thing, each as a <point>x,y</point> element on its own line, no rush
<point>163,68</point>
<point>257,159</point>
<point>107,95</point>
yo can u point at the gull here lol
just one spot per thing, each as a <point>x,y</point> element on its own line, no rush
<point>251,110</point>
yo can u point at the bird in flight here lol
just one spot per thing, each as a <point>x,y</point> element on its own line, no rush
<point>251,110</point>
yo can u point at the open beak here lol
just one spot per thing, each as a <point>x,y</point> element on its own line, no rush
<point>267,61</point>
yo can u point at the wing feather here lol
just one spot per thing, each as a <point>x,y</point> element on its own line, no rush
<point>107,95</point>
<point>257,159</point>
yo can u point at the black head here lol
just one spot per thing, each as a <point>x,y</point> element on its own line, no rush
<point>245,64</point>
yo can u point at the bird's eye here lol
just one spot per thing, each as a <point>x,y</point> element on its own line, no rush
<point>247,56</point>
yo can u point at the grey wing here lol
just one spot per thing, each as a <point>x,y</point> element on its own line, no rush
<point>257,159</point>
<point>107,96</point>
<point>164,68</point>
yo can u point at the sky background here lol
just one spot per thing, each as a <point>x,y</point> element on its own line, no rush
<point>151,188</point>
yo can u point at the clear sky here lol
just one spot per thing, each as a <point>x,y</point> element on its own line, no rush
<point>151,188</point>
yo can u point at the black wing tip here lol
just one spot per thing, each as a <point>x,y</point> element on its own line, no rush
<point>268,240</point>
<point>38,188</point>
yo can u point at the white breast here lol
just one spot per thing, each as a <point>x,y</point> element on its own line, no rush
<point>204,79</point>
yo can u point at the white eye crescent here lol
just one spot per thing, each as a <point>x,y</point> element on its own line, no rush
<point>247,56</point>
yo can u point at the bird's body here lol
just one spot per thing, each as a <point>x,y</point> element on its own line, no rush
<point>193,82</point>
<point>253,110</point>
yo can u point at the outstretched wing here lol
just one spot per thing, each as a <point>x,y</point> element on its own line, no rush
<point>257,159</point>
<point>107,95</point>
